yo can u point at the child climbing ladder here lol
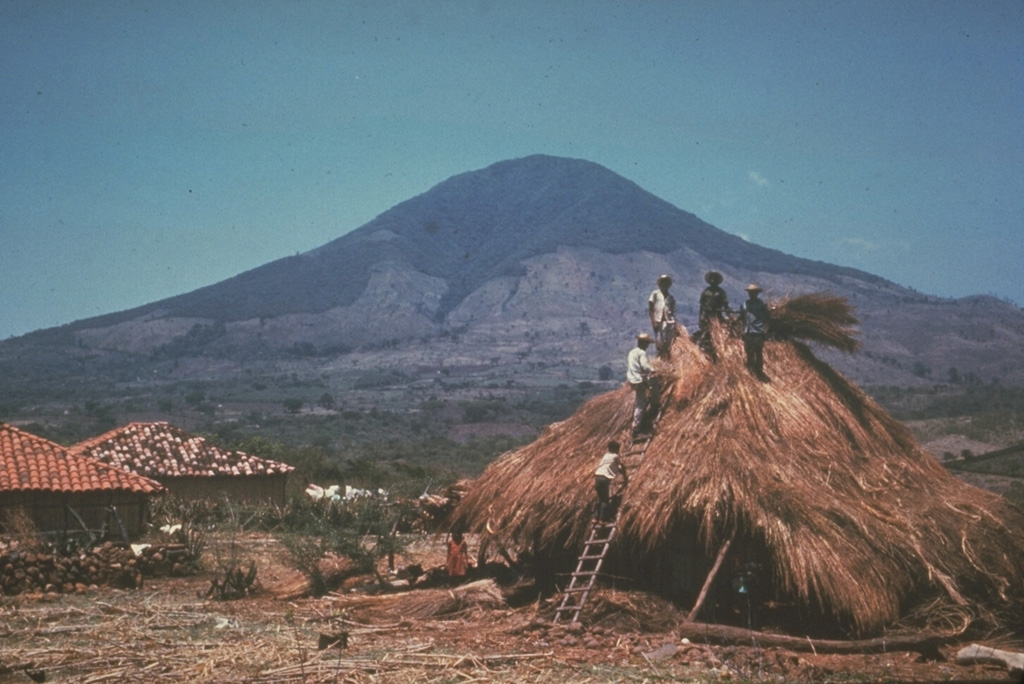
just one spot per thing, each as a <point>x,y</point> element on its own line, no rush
<point>602,532</point>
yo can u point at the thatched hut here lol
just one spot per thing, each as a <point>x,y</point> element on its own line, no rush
<point>60,491</point>
<point>187,465</point>
<point>847,520</point>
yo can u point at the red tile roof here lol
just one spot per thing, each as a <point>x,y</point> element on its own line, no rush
<point>31,463</point>
<point>160,450</point>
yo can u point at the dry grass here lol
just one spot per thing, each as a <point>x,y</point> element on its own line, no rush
<point>851,517</point>
<point>163,636</point>
<point>164,633</point>
<point>427,604</point>
<point>817,317</point>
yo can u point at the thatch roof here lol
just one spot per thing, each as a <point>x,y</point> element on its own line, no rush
<point>852,516</point>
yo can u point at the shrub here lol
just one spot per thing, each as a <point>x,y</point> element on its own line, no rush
<point>364,530</point>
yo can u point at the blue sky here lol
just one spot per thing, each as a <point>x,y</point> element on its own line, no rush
<point>150,148</point>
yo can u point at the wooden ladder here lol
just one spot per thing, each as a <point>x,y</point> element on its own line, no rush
<point>595,549</point>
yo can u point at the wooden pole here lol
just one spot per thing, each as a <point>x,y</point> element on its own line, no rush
<point>927,643</point>
<point>976,653</point>
<point>710,579</point>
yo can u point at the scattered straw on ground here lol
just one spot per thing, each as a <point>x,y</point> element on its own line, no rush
<point>164,633</point>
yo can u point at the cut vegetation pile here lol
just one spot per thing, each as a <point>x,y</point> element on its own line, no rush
<point>424,604</point>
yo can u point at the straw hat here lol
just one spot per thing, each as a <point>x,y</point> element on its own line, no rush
<point>753,287</point>
<point>664,278</point>
<point>644,337</point>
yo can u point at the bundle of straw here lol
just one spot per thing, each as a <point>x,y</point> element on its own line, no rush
<point>818,317</point>
<point>430,603</point>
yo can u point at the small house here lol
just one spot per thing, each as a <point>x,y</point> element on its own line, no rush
<point>187,465</point>
<point>62,491</point>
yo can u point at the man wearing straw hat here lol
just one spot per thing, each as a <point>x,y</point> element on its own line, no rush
<point>714,305</point>
<point>754,315</point>
<point>638,374</point>
<point>661,307</point>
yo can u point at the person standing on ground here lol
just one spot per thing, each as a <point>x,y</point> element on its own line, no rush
<point>714,306</point>
<point>638,375</point>
<point>608,469</point>
<point>661,307</point>
<point>754,314</point>
<point>458,558</point>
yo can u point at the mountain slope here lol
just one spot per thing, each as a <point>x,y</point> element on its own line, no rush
<point>473,227</point>
<point>526,254</point>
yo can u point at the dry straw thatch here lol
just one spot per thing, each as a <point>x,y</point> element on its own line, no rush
<point>853,521</point>
<point>437,603</point>
<point>816,317</point>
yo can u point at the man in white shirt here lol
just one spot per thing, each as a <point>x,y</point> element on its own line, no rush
<point>608,469</point>
<point>661,307</point>
<point>638,374</point>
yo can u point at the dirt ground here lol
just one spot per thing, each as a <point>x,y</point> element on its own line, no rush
<point>166,632</point>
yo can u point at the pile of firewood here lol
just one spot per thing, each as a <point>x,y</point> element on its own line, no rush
<point>161,560</point>
<point>31,570</point>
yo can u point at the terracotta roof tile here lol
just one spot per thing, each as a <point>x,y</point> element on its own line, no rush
<point>162,450</point>
<point>31,463</point>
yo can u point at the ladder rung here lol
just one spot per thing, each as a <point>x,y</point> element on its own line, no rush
<point>577,589</point>
<point>586,558</point>
<point>586,573</point>
<point>573,584</point>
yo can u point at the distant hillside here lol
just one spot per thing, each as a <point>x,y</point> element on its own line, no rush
<point>470,229</point>
<point>526,258</point>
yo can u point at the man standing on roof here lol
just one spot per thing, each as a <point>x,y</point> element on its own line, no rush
<point>608,469</point>
<point>638,374</point>
<point>661,307</point>
<point>714,305</point>
<point>754,315</point>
